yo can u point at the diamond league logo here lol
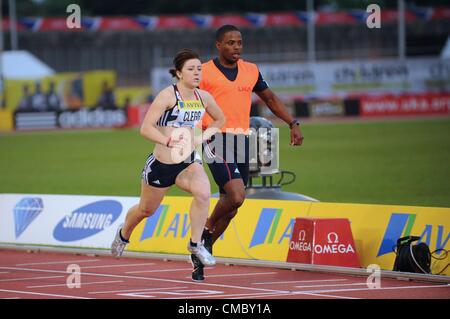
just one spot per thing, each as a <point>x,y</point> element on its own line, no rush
<point>25,211</point>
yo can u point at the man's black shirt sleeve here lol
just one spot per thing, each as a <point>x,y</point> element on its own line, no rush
<point>260,85</point>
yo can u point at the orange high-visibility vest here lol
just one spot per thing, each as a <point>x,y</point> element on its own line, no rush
<point>233,97</point>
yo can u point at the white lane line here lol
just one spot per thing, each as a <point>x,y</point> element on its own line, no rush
<point>42,294</point>
<point>240,274</point>
<point>4,272</point>
<point>116,265</point>
<point>135,290</point>
<point>258,294</point>
<point>263,294</point>
<point>173,293</point>
<point>324,293</point>
<point>329,296</point>
<point>60,262</point>
<point>366,289</point>
<point>297,281</point>
<point>337,285</point>
<point>149,279</point>
<point>30,278</point>
<point>12,298</point>
<point>158,270</point>
<point>82,283</point>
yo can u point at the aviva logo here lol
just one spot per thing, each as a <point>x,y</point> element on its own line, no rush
<point>156,225</point>
<point>267,226</point>
<point>400,225</point>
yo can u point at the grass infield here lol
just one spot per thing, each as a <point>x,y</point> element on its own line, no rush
<point>405,162</point>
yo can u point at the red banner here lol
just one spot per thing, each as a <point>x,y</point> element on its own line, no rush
<point>408,104</point>
<point>175,22</point>
<point>323,241</point>
<point>334,18</point>
<point>283,19</point>
<point>236,20</point>
<point>119,23</point>
<point>293,18</point>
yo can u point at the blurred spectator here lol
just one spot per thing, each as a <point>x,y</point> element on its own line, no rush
<point>26,102</point>
<point>106,100</point>
<point>127,102</point>
<point>38,99</point>
<point>73,93</point>
<point>52,99</point>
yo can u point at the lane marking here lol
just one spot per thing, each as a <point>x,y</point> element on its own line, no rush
<point>192,293</point>
<point>260,295</point>
<point>157,270</point>
<point>147,278</point>
<point>292,294</point>
<point>83,284</point>
<point>116,265</point>
<point>230,295</point>
<point>30,278</point>
<point>134,290</point>
<point>43,294</point>
<point>60,262</point>
<point>246,274</point>
<point>297,281</point>
<point>330,296</point>
<point>337,285</point>
<point>369,289</point>
<point>324,293</point>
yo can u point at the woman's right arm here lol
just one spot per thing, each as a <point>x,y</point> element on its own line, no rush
<point>149,129</point>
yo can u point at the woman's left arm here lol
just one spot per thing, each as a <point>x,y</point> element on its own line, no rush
<point>214,110</point>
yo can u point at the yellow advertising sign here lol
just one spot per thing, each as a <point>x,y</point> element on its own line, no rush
<point>6,121</point>
<point>76,89</point>
<point>262,229</point>
<point>376,229</point>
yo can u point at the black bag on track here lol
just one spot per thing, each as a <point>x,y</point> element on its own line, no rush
<point>412,258</point>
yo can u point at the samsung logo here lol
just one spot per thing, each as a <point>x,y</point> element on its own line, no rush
<point>87,220</point>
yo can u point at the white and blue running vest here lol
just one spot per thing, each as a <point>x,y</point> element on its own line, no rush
<point>184,113</point>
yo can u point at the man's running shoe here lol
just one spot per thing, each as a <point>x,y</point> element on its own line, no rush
<point>197,272</point>
<point>207,240</point>
<point>118,245</point>
<point>202,254</point>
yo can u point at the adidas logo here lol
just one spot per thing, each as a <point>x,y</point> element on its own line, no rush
<point>236,171</point>
<point>157,182</point>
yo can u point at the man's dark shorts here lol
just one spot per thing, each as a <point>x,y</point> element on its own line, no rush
<point>227,156</point>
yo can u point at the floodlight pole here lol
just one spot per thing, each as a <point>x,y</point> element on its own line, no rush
<point>401,29</point>
<point>311,36</point>
<point>13,24</point>
<point>1,55</point>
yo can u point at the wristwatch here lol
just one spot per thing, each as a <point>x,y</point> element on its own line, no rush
<point>294,122</point>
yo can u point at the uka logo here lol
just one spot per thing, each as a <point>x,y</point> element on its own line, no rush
<point>401,224</point>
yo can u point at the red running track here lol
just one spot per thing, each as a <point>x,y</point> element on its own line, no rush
<point>44,275</point>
